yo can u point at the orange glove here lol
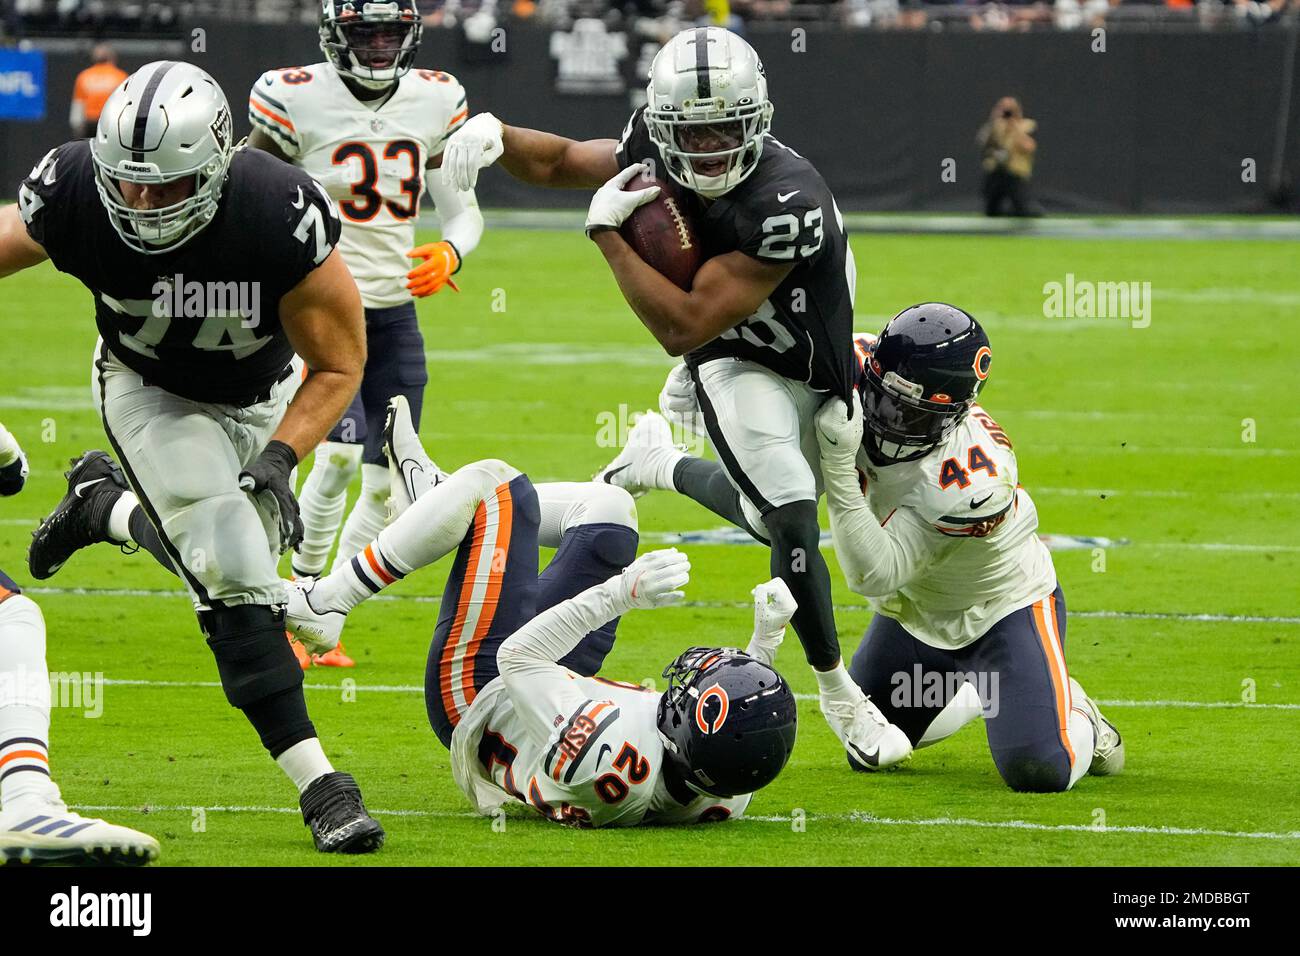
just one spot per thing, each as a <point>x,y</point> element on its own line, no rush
<point>440,260</point>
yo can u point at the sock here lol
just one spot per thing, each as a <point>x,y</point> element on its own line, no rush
<point>706,483</point>
<point>305,762</point>
<point>798,561</point>
<point>146,536</point>
<point>1082,742</point>
<point>368,515</point>
<point>432,527</point>
<point>838,685</point>
<point>321,503</point>
<point>119,519</point>
<point>24,705</point>
<point>662,465</point>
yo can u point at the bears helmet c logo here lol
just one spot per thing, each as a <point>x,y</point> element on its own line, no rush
<point>711,710</point>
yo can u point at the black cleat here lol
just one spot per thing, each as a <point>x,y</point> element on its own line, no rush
<point>95,482</point>
<point>339,823</point>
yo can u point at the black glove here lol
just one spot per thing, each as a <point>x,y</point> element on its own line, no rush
<point>271,473</point>
<point>12,476</point>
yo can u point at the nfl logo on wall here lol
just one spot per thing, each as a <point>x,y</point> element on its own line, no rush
<point>588,58</point>
<point>22,84</point>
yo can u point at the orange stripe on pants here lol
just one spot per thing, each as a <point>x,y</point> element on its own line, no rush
<point>1045,627</point>
<point>500,552</point>
<point>458,624</point>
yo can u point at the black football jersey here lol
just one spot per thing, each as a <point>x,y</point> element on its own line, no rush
<point>201,321</point>
<point>783,212</point>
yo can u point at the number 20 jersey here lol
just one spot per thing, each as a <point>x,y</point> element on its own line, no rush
<point>314,118</point>
<point>782,213</point>
<point>601,765</point>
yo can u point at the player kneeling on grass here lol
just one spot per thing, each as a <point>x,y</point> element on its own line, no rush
<point>510,685</point>
<point>930,523</point>
<point>35,824</point>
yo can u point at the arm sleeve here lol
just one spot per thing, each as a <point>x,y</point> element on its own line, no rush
<point>458,212</point>
<point>540,689</point>
<point>876,560</point>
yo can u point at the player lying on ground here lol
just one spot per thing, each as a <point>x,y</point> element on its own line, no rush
<point>35,824</point>
<point>931,524</point>
<point>366,125</point>
<point>159,210</point>
<point>766,327</point>
<point>510,685</point>
<point>945,543</point>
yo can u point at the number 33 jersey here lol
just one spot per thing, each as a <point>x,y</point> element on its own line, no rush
<point>600,764</point>
<point>313,117</point>
<point>201,321</point>
<point>783,213</point>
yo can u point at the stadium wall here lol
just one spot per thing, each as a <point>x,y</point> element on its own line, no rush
<point>1159,122</point>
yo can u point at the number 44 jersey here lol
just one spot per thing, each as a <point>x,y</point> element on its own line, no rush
<point>319,124</point>
<point>600,764</point>
<point>201,321</point>
<point>782,213</point>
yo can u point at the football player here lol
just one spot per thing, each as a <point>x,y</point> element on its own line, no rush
<point>931,524</point>
<point>510,685</point>
<point>366,125</point>
<point>766,327</point>
<point>163,221</point>
<point>36,826</point>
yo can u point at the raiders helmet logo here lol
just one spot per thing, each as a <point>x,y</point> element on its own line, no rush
<point>711,710</point>
<point>221,129</point>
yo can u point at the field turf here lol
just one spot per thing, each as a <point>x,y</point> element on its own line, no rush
<point>1176,442</point>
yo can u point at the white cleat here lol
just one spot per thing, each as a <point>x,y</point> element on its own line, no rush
<point>642,458</point>
<point>48,832</point>
<point>411,472</point>
<point>1108,746</point>
<point>870,741</point>
<point>317,631</point>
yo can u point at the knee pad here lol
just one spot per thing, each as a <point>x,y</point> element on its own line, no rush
<point>336,463</point>
<point>610,546</point>
<point>1030,773</point>
<point>253,656</point>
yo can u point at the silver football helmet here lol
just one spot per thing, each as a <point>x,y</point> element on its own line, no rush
<point>707,109</point>
<point>167,121</point>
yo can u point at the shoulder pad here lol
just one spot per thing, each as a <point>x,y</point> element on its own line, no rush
<point>968,486</point>
<point>270,107</point>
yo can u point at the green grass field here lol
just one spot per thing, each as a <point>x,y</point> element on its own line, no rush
<point>1179,439</point>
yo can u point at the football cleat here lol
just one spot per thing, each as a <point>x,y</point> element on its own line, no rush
<point>333,809</point>
<point>317,631</point>
<point>411,472</point>
<point>51,833</point>
<point>300,653</point>
<point>1108,746</point>
<point>634,469</point>
<point>335,658</point>
<point>870,741</point>
<point>81,519</point>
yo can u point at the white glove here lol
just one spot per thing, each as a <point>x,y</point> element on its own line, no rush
<point>655,579</point>
<point>838,435</point>
<point>678,403</point>
<point>476,145</point>
<point>339,180</point>
<point>610,206</point>
<point>774,605</point>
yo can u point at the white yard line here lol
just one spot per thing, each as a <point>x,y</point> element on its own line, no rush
<point>858,817</point>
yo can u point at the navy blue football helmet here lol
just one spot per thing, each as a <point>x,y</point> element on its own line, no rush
<point>727,720</point>
<point>922,376</point>
<point>372,42</point>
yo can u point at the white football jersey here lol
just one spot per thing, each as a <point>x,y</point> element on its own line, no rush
<point>601,766</point>
<point>963,507</point>
<point>313,117</point>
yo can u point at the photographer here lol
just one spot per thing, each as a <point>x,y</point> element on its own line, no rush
<point>1007,150</point>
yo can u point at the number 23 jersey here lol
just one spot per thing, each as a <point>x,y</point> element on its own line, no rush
<point>601,764</point>
<point>319,124</point>
<point>782,213</point>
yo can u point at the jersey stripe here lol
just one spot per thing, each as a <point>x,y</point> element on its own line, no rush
<point>267,111</point>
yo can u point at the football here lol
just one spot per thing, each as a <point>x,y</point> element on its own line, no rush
<point>663,234</point>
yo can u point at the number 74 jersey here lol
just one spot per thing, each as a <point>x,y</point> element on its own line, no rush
<point>323,128</point>
<point>601,765</point>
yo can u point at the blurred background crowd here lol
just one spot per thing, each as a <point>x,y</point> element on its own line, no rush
<point>662,18</point>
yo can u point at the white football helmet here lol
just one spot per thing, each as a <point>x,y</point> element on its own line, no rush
<point>167,120</point>
<point>707,109</point>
